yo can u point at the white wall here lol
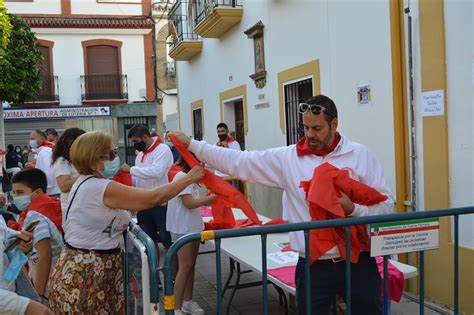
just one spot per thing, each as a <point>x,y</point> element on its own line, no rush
<point>297,32</point>
<point>68,61</point>
<point>170,105</point>
<point>108,7</point>
<point>35,7</point>
<point>460,90</point>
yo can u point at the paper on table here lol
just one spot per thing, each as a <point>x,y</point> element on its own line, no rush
<point>281,245</point>
<point>283,257</point>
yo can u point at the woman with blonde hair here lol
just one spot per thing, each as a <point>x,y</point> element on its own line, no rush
<point>88,277</point>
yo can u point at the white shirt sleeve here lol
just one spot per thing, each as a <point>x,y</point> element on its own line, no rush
<point>12,304</point>
<point>161,164</point>
<point>62,167</point>
<point>264,167</point>
<point>374,178</point>
<point>186,191</point>
<point>234,145</point>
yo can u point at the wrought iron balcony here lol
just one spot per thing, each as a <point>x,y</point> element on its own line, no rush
<point>104,87</point>
<point>213,18</point>
<point>49,90</point>
<point>186,44</point>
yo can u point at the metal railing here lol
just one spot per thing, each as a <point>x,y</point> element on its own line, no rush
<point>49,89</point>
<point>181,26</point>
<point>104,86</point>
<point>152,256</point>
<point>306,227</point>
<point>203,8</point>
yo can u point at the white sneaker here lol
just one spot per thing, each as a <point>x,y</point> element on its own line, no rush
<point>178,312</point>
<point>192,307</point>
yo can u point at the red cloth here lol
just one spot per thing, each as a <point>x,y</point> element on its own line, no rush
<point>302,147</point>
<point>230,139</point>
<point>284,274</point>
<point>153,147</point>
<point>48,206</point>
<point>227,194</point>
<point>322,193</point>
<point>46,144</point>
<point>395,280</point>
<point>123,178</point>
<point>175,169</point>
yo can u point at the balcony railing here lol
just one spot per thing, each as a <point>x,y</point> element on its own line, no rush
<point>49,90</point>
<point>180,25</point>
<point>203,8</point>
<point>104,86</point>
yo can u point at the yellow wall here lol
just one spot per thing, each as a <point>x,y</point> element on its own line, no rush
<point>439,263</point>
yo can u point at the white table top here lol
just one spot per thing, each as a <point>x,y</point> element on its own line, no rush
<point>247,251</point>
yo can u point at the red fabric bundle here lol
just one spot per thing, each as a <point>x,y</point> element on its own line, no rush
<point>123,178</point>
<point>175,169</point>
<point>322,193</point>
<point>228,196</point>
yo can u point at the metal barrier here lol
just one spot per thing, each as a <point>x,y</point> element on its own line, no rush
<point>137,240</point>
<point>306,227</point>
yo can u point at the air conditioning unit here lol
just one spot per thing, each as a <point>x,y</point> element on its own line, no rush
<point>171,69</point>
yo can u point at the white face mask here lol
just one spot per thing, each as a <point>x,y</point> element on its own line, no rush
<point>22,202</point>
<point>111,167</point>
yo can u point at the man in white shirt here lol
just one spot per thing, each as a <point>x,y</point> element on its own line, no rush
<point>44,150</point>
<point>152,164</point>
<point>285,168</point>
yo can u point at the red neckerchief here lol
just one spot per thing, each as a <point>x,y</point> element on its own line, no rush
<point>46,144</point>
<point>322,193</point>
<point>228,195</point>
<point>230,139</point>
<point>48,206</point>
<point>302,147</point>
<point>175,169</point>
<point>153,147</point>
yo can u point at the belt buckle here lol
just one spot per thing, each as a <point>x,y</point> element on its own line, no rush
<point>336,260</point>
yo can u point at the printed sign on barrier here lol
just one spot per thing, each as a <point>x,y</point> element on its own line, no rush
<point>404,236</point>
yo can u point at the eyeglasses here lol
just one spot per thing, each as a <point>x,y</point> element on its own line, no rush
<point>313,108</point>
<point>112,155</point>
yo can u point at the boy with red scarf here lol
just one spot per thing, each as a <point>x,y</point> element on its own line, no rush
<point>286,168</point>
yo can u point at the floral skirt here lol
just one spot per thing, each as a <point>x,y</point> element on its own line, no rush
<point>87,283</point>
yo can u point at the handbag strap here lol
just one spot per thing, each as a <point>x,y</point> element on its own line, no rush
<point>74,196</point>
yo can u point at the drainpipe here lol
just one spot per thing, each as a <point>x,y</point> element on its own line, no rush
<point>412,203</point>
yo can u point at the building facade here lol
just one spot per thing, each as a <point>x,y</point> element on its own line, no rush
<point>249,64</point>
<point>95,53</point>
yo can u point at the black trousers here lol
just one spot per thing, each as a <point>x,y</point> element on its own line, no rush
<point>328,278</point>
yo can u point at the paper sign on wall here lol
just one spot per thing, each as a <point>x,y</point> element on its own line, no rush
<point>364,94</point>
<point>433,103</point>
<point>404,236</point>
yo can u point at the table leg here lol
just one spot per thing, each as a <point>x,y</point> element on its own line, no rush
<point>282,297</point>
<point>232,268</point>
<point>236,284</point>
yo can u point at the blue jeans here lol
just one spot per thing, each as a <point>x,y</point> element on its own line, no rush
<point>152,221</point>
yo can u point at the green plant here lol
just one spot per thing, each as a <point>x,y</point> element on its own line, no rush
<point>20,67</point>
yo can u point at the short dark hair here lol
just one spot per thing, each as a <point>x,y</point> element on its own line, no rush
<point>222,125</point>
<point>51,131</point>
<point>40,133</point>
<point>324,101</point>
<point>139,131</point>
<point>10,147</point>
<point>33,178</point>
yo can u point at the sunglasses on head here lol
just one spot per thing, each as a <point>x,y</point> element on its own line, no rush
<point>313,108</point>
